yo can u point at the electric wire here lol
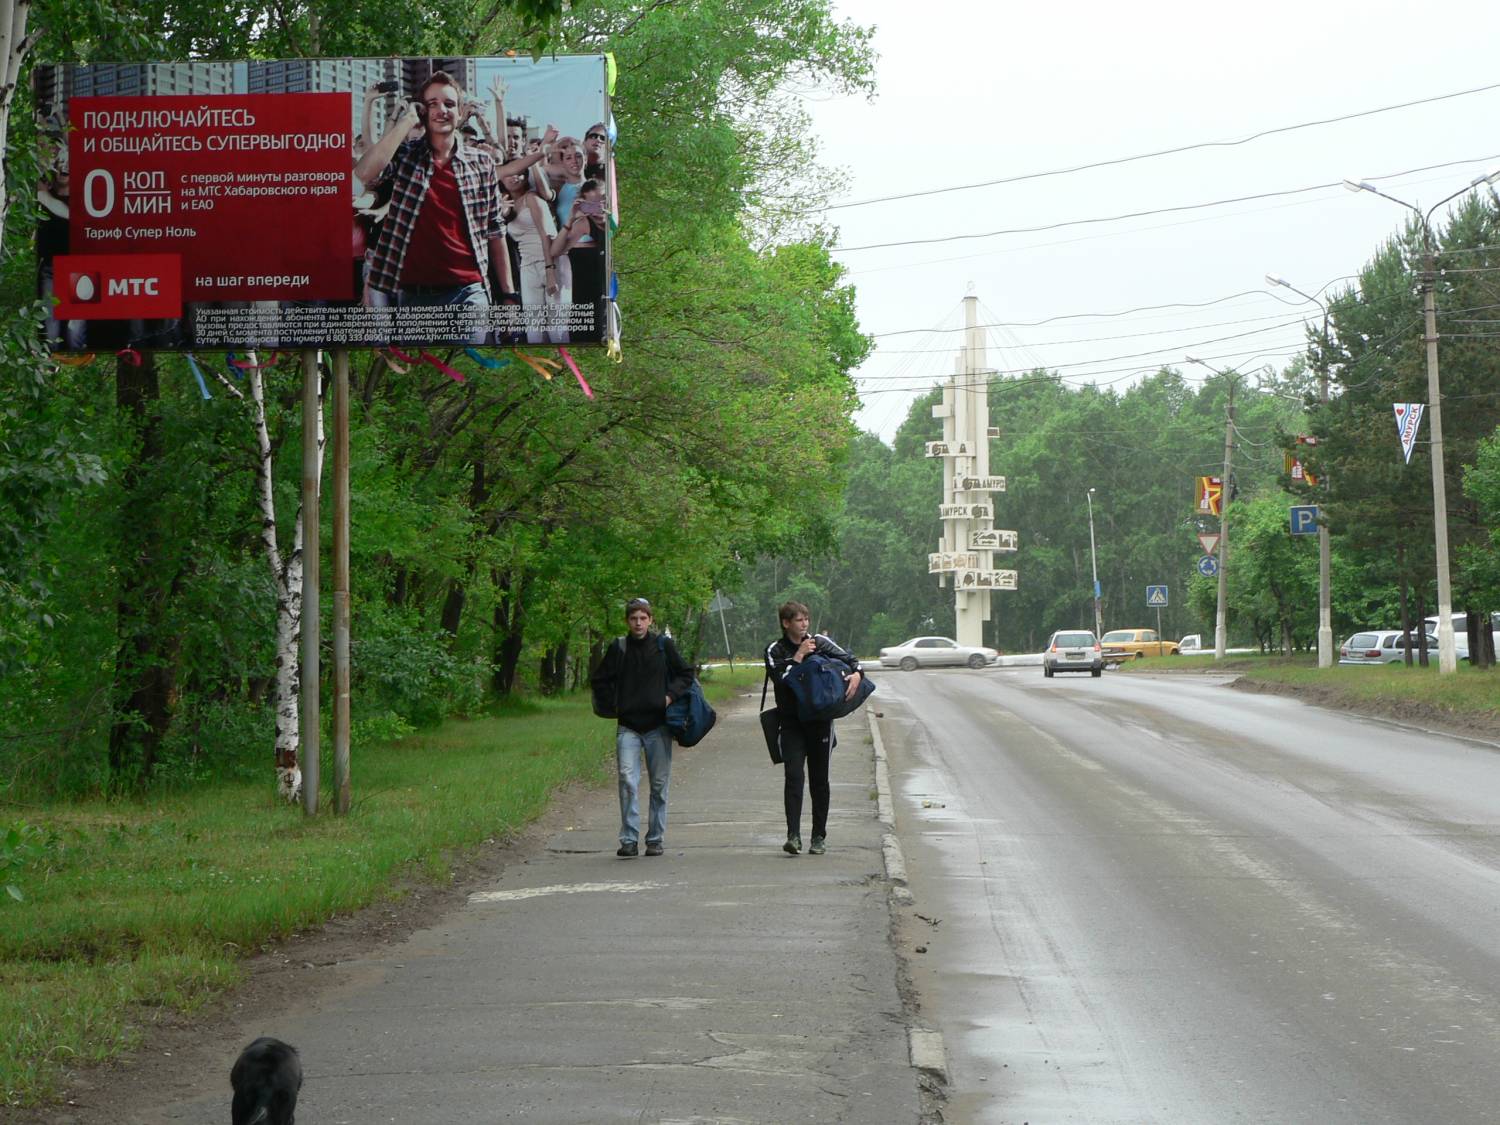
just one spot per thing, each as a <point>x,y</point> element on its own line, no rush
<point>1177,209</point>
<point>1161,152</point>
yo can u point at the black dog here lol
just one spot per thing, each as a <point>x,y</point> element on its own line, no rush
<point>266,1078</point>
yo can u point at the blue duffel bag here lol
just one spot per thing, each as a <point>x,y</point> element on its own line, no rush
<point>818,684</point>
<point>689,717</point>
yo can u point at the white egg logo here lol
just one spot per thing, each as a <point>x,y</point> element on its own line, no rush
<point>84,288</point>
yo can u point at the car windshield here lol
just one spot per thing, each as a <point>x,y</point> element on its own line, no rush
<point>1119,635</point>
<point>1075,639</point>
<point>1361,640</point>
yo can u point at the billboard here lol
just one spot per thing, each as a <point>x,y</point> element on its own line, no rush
<point>325,203</point>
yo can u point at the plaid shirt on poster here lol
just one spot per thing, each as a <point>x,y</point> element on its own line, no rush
<point>411,168</point>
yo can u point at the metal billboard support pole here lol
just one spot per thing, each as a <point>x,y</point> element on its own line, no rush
<point>341,580</point>
<point>308,676</point>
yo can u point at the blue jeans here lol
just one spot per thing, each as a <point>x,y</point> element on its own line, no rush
<point>657,746</point>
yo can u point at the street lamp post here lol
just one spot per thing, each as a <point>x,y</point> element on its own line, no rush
<point>1325,605</point>
<point>1447,658</point>
<point>1094,565</point>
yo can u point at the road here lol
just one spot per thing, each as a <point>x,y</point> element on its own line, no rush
<point>1154,899</point>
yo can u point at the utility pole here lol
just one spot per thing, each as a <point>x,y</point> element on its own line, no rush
<point>1447,654</point>
<point>1221,633</point>
<point>1325,598</point>
<point>1094,566</point>
<point>1325,589</point>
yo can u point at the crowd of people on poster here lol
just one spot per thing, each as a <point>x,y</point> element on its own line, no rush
<point>479,195</point>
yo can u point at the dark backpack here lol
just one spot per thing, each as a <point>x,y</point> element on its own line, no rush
<point>818,685</point>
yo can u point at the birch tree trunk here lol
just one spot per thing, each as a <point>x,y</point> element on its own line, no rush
<point>14,46</point>
<point>286,575</point>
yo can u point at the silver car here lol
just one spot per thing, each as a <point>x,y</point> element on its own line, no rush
<point>935,652</point>
<point>1383,646</point>
<point>1072,650</point>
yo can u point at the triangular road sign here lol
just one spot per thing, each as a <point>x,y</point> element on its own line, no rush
<point>1209,541</point>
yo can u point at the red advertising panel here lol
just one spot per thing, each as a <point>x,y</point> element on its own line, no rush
<point>326,203</point>
<point>197,177</point>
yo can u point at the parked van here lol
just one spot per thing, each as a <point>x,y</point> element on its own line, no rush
<point>1461,632</point>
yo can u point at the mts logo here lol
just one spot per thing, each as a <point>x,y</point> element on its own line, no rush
<point>135,287</point>
<point>118,286</point>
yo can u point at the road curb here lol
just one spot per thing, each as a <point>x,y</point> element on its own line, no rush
<point>928,1056</point>
<point>885,809</point>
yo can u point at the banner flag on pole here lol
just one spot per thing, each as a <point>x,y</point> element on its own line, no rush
<point>1408,418</point>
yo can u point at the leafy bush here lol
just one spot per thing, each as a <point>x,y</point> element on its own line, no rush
<point>408,670</point>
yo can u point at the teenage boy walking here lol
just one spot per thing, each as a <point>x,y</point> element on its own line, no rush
<point>806,745</point>
<point>640,675</point>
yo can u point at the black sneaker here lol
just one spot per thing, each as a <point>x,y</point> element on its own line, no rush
<point>653,849</point>
<point>793,845</point>
<point>626,851</point>
<point>817,847</point>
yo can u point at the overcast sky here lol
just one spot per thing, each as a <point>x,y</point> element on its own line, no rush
<point>971,91</point>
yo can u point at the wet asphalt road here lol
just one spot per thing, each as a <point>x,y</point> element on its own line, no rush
<point>1154,899</point>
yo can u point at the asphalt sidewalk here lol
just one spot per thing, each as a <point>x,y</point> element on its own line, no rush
<point>724,981</point>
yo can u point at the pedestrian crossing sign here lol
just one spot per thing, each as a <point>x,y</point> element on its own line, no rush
<point>1156,597</point>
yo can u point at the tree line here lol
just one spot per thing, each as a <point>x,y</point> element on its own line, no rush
<point>1142,448</point>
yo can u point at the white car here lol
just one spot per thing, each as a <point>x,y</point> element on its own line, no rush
<point>935,652</point>
<point>1072,650</point>
<point>1193,642</point>
<point>1461,632</point>
<point>1383,646</point>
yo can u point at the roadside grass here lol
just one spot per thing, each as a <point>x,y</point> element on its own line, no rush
<point>1468,691</point>
<point>134,906</point>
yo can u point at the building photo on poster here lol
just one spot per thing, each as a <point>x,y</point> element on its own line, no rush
<point>316,203</point>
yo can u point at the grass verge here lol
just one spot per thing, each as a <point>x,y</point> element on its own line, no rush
<point>135,906</point>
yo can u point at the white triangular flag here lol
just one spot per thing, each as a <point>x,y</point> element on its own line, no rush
<point>1408,418</point>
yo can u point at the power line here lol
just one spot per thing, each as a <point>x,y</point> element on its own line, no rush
<point>1152,211</point>
<point>1086,378</point>
<point>1170,347</point>
<point>1161,152</point>
<point>1078,315</point>
<point>1285,322</point>
<point>1096,236</point>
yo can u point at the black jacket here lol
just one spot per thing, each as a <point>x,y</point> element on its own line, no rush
<point>634,678</point>
<point>779,662</point>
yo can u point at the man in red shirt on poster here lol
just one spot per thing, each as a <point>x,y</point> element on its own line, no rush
<point>443,238</point>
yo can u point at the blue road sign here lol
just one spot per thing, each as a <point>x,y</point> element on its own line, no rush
<point>1208,566</point>
<point>1304,519</point>
<point>1156,597</point>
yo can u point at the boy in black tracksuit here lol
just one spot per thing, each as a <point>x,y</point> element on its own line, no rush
<point>640,675</point>
<point>809,742</point>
